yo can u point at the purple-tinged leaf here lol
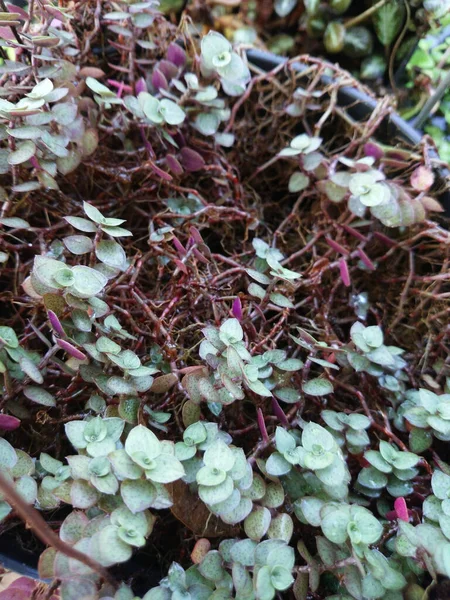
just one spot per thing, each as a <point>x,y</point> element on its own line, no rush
<point>385,239</point>
<point>8,422</point>
<point>179,246</point>
<point>262,426</point>
<point>196,235</point>
<point>160,172</point>
<point>401,509</point>
<point>422,179</point>
<point>354,232</point>
<point>237,308</point>
<point>191,160</point>
<point>373,150</point>
<point>140,86</point>
<point>181,266</point>
<point>55,323</point>
<point>336,247</point>
<point>279,413</point>
<point>365,259</point>
<point>159,81</point>
<point>168,69</point>
<point>70,349</point>
<point>200,256</point>
<point>173,164</point>
<point>345,274</point>
<point>176,55</point>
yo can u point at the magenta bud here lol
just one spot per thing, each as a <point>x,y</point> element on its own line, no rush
<point>70,349</point>
<point>191,160</point>
<point>159,81</point>
<point>179,247</point>
<point>237,308</point>
<point>175,54</point>
<point>262,426</point>
<point>345,274</point>
<point>140,86</point>
<point>55,323</point>
<point>8,422</point>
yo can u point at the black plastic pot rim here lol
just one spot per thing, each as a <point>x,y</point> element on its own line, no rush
<point>360,106</point>
<point>19,566</point>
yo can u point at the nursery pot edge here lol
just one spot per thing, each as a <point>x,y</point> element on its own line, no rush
<point>359,106</point>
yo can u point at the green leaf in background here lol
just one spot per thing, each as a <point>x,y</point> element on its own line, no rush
<point>388,21</point>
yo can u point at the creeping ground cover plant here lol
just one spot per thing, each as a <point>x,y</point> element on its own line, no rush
<point>224,364</point>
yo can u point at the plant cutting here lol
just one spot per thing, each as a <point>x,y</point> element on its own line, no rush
<point>223,351</point>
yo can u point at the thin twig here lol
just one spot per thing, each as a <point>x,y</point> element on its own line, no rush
<point>31,516</point>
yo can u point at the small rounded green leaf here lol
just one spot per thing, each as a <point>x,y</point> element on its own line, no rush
<point>277,465</point>
<point>8,456</point>
<point>257,523</point>
<point>318,387</point>
<point>39,395</point>
<point>138,494</point>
